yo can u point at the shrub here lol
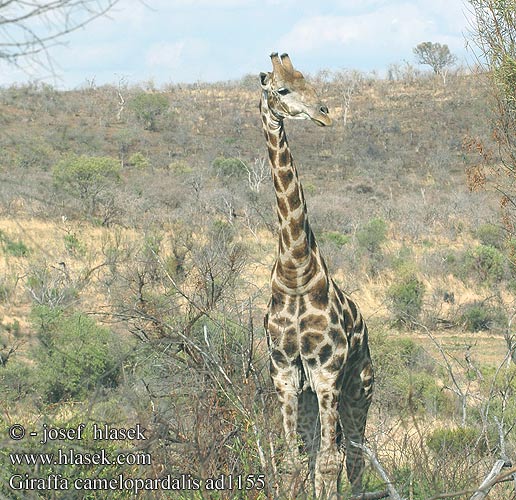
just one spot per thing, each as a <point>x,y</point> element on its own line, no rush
<point>501,387</point>
<point>138,160</point>
<point>17,380</point>
<point>490,235</point>
<point>405,376</point>
<point>73,245</point>
<point>485,263</point>
<point>423,393</point>
<point>13,328</point>
<point>180,167</point>
<point>229,167</point>
<point>336,238</point>
<point>479,316</point>
<point>414,485</point>
<point>75,355</point>
<point>402,262</point>
<point>372,235</point>
<point>411,354</point>
<point>406,298</point>
<point>13,248</point>
<point>450,261</point>
<point>87,178</point>
<point>5,289</point>
<point>147,108</point>
<point>510,251</point>
<point>452,441</point>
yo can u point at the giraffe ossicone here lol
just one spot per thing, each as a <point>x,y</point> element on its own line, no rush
<point>318,344</point>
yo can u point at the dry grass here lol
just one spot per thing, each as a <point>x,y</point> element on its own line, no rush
<point>46,242</point>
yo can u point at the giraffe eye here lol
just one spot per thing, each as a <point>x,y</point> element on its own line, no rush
<point>283,91</point>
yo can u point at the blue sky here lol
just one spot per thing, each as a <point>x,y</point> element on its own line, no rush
<point>212,40</point>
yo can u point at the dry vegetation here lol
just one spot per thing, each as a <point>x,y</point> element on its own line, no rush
<point>132,289</point>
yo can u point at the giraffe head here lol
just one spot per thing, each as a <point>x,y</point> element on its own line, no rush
<point>289,95</point>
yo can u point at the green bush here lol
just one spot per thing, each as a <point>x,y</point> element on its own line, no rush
<point>139,160</point>
<point>406,298</point>
<point>147,107</point>
<point>372,235</point>
<point>13,328</point>
<point>453,441</point>
<point>402,261</point>
<point>485,263</point>
<point>411,354</point>
<point>502,387</point>
<point>414,482</point>
<point>336,238</point>
<point>75,355</point>
<point>229,167</point>
<point>510,252</point>
<point>16,380</point>
<point>479,316</point>
<point>73,245</point>
<point>405,376</point>
<point>180,167</point>
<point>5,289</point>
<point>13,248</point>
<point>490,235</point>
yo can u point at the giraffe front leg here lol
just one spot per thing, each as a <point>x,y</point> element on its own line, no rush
<point>295,467</point>
<point>329,461</point>
<point>309,427</point>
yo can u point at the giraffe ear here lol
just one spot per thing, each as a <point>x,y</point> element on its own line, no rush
<point>265,80</point>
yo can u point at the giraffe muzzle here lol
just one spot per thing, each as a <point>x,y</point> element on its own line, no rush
<point>322,118</point>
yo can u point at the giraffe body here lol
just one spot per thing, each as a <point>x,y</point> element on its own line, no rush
<point>319,355</point>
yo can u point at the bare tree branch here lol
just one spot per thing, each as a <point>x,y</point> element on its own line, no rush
<point>491,479</point>
<point>29,28</point>
<point>391,490</point>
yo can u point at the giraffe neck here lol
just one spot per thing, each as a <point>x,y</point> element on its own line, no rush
<point>299,264</point>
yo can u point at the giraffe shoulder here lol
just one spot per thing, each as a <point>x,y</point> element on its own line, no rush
<point>353,321</point>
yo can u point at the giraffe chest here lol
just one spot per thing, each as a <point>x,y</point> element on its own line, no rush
<point>312,334</point>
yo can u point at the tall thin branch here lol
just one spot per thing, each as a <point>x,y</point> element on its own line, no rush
<point>28,29</point>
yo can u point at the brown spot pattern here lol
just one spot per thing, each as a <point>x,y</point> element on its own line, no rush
<point>325,353</point>
<point>318,322</point>
<point>309,342</point>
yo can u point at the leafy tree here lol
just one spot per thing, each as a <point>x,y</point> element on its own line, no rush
<point>147,108</point>
<point>436,55</point>
<point>87,178</point>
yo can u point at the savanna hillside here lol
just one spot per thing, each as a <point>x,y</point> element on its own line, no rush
<point>137,232</point>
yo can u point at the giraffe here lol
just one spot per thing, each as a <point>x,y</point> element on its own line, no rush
<point>319,356</point>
